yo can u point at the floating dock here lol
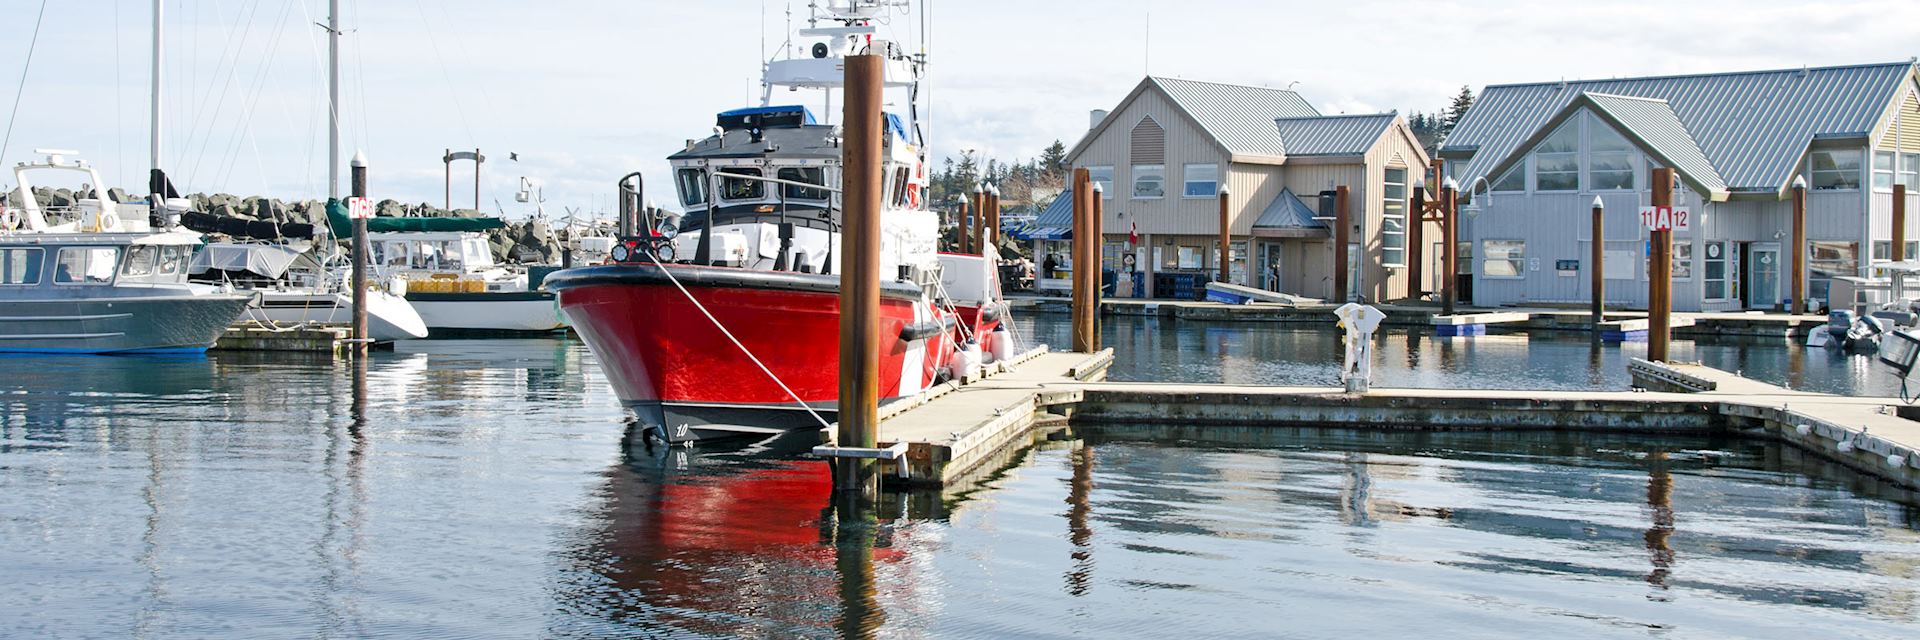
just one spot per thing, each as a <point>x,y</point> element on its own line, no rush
<point>332,339</point>
<point>957,434</point>
<point>1685,324</point>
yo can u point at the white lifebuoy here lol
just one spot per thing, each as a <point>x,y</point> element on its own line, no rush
<point>9,220</point>
<point>109,221</point>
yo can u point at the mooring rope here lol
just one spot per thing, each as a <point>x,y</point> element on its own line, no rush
<point>736,342</point>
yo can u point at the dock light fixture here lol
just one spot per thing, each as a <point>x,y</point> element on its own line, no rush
<point>1901,350</point>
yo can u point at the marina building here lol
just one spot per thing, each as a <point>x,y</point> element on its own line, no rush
<point>1164,155</point>
<point>1531,160</point>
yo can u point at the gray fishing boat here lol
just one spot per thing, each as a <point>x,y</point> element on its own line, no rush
<point>100,282</point>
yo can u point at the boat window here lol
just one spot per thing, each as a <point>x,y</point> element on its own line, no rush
<point>20,265</point>
<point>479,253</point>
<point>450,254</point>
<point>394,254</point>
<point>172,258</point>
<point>900,187</point>
<point>809,175</point>
<point>426,255</point>
<point>693,187</point>
<point>141,259</point>
<point>86,265</point>
<point>742,188</point>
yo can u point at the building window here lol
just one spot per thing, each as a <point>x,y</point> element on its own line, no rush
<point>1503,258</point>
<point>1682,260</point>
<point>1609,160</point>
<point>1149,181</point>
<point>1716,271</point>
<point>20,265</point>
<point>1883,170</point>
<point>1514,180</point>
<point>1883,250</point>
<point>693,187</point>
<point>86,265</point>
<point>1910,171</point>
<point>1393,219</point>
<point>1834,169</point>
<point>1556,162</point>
<point>809,175</point>
<point>1826,259</point>
<point>737,189</point>
<point>1202,181</point>
<point>1103,176</point>
<point>1191,258</point>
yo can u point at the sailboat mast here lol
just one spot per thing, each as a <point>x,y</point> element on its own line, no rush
<point>154,135</point>
<point>333,98</point>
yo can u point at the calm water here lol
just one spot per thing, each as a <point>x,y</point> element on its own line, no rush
<point>482,489</point>
<point>1277,353</point>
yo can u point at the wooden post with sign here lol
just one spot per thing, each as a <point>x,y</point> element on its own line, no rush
<point>1660,280</point>
<point>360,208</point>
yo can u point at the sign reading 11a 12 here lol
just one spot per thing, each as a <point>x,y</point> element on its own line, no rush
<point>1666,218</point>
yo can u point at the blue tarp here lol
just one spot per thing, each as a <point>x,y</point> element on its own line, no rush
<point>756,111</point>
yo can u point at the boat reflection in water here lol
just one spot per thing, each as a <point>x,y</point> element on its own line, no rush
<point>746,542</point>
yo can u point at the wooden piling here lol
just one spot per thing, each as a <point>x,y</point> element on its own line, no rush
<point>1899,222</point>
<point>1082,262</point>
<point>361,246</point>
<point>861,159</point>
<point>1342,229</point>
<point>976,244</point>
<point>1096,243</point>
<point>1450,233</point>
<point>1417,240</point>
<point>1226,236</point>
<point>963,226</point>
<point>1799,250</point>
<point>1660,280</point>
<point>1598,265</point>
<point>992,236</point>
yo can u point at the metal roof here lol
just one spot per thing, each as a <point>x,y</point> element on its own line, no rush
<point>1239,118</point>
<point>1648,122</point>
<point>1054,223</point>
<point>1343,135</point>
<point>1752,127</point>
<point>1287,212</point>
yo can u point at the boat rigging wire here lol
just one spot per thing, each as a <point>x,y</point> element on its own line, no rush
<point>22,89</point>
<point>736,341</point>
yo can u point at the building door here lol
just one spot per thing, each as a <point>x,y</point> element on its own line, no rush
<point>1763,275</point>
<point>1270,266</point>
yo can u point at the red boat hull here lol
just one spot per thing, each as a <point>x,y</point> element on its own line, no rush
<point>681,373</point>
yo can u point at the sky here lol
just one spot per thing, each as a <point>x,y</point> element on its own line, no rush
<point>584,92</point>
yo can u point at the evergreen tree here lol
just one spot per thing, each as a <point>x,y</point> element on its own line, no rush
<point>1461,102</point>
<point>1054,159</point>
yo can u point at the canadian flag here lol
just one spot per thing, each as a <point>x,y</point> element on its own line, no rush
<point>1133,233</point>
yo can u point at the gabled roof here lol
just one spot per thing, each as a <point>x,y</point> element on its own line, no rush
<point>1752,127</point>
<point>1342,135</point>
<point>1287,215</point>
<point>1650,123</point>
<point>1053,223</point>
<point>1238,118</point>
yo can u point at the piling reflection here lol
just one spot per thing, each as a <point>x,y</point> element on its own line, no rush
<point>1661,523</point>
<point>1079,529</point>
